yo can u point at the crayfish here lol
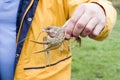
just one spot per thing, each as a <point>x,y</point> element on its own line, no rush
<point>54,39</point>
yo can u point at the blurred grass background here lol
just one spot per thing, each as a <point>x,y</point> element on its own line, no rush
<point>98,60</point>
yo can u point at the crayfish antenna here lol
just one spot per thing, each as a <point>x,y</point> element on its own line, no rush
<point>40,42</point>
<point>39,51</point>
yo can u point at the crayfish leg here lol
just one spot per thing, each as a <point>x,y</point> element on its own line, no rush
<point>47,53</point>
<point>61,50</point>
<point>78,39</point>
<point>72,45</point>
<point>65,45</point>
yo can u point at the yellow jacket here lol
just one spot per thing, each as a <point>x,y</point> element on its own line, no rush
<point>38,66</point>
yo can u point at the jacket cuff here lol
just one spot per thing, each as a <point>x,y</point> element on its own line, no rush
<point>110,14</point>
<point>100,6</point>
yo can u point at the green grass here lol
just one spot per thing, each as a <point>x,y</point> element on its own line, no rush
<point>98,60</point>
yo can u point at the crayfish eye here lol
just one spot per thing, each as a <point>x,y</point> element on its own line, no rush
<point>48,28</point>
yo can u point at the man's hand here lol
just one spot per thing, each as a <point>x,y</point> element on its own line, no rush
<point>88,20</point>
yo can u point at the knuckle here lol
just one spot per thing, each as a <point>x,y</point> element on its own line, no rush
<point>95,34</point>
<point>87,30</point>
<point>75,33</point>
<point>72,20</point>
<point>91,12</point>
<point>68,31</point>
<point>102,23</point>
<point>80,25</point>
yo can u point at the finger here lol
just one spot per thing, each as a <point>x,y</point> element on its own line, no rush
<point>69,30</point>
<point>80,25</point>
<point>65,24</point>
<point>76,15</point>
<point>96,31</point>
<point>89,27</point>
<point>69,25</point>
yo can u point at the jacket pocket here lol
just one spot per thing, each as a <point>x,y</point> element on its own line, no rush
<point>49,65</point>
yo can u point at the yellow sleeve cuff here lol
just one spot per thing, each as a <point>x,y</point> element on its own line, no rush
<point>110,13</point>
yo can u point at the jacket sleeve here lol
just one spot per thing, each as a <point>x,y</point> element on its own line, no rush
<point>110,13</point>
